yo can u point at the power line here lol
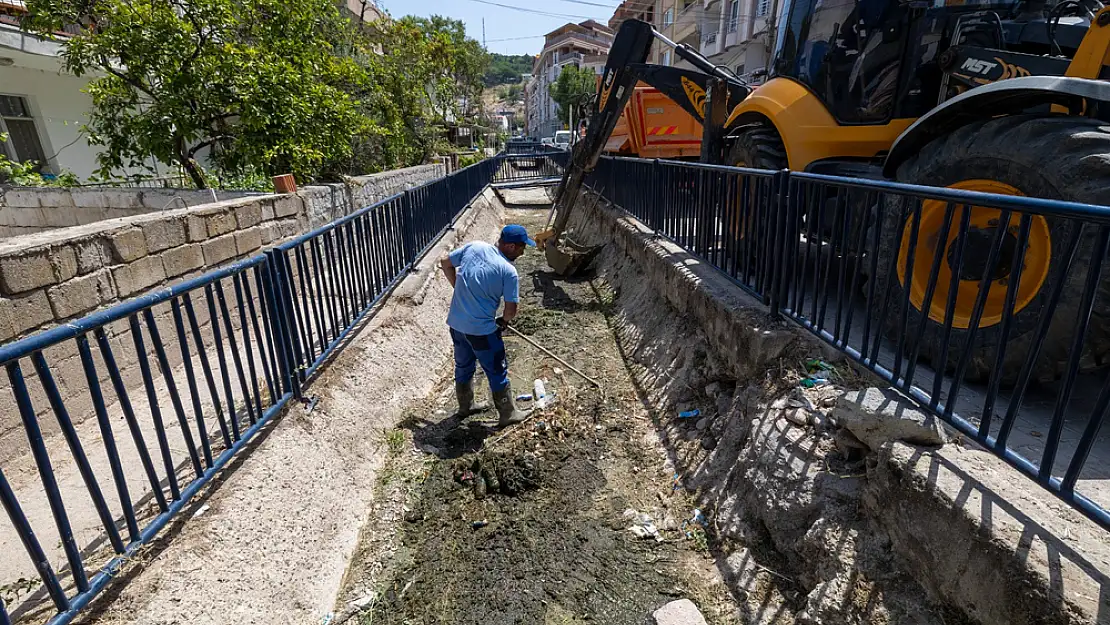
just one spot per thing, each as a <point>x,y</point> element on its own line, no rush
<point>534,11</point>
<point>592,4</point>
<point>517,38</point>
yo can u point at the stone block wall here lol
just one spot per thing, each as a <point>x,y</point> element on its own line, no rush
<point>63,274</point>
<point>326,203</point>
<point>26,210</point>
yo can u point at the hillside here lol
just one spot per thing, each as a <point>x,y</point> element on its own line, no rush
<point>507,69</point>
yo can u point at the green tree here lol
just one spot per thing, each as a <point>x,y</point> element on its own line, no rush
<point>28,173</point>
<point>511,93</point>
<point>418,75</point>
<point>573,89</point>
<point>255,83</point>
<point>507,69</point>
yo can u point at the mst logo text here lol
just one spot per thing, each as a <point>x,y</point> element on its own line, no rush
<point>977,66</point>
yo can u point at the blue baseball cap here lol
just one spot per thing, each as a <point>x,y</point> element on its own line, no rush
<point>513,233</point>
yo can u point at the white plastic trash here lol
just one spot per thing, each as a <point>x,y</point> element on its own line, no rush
<point>539,394</point>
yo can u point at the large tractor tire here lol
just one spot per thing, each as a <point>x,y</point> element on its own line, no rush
<point>758,146</point>
<point>1062,158</point>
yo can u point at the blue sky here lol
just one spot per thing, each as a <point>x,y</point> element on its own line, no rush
<point>508,31</point>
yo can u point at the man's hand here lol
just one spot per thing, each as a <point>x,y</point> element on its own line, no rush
<point>448,270</point>
<point>507,315</point>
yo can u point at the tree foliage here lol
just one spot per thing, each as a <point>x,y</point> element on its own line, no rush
<point>573,89</point>
<point>265,86</point>
<point>511,93</point>
<point>249,81</point>
<point>28,174</point>
<point>507,69</point>
<point>417,76</point>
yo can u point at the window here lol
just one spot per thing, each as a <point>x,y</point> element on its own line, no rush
<point>762,8</point>
<point>734,16</point>
<point>740,69</point>
<point>23,138</point>
<point>847,54</point>
<point>668,17</point>
<point>667,57</point>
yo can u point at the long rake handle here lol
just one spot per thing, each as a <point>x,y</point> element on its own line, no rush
<point>559,360</point>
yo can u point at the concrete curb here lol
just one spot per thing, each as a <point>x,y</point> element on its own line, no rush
<point>738,325</point>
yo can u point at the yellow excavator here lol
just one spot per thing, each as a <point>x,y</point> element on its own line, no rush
<point>999,96</point>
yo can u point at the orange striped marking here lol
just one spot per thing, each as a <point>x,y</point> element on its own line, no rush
<point>662,130</point>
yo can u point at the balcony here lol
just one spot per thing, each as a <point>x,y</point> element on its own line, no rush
<point>710,43</point>
<point>569,57</point>
<point>604,42</point>
<point>11,12</point>
<point>686,24</point>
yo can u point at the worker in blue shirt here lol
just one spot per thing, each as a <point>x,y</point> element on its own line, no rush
<point>482,275</point>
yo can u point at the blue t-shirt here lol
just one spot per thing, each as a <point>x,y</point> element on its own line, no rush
<point>483,276</point>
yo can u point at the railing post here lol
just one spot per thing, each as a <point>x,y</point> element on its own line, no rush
<point>278,304</point>
<point>783,208</point>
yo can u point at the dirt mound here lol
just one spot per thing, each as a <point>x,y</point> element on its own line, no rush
<point>525,535</point>
<point>504,473</point>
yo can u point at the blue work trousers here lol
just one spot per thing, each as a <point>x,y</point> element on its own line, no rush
<point>489,350</point>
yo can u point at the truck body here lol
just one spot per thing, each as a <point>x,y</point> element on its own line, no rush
<point>654,126</point>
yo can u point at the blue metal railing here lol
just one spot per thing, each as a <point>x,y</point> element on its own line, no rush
<point>229,350</point>
<point>530,147</point>
<point>238,421</point>
<point>982,308</point>
<point>334,275</point>
<point>522,169</point>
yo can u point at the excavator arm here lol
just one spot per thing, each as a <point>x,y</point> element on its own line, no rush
<point>625,67</point>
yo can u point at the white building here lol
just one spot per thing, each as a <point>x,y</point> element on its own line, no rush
<point>41,107</point>
<point>582,45</point>
<point>740,33</point>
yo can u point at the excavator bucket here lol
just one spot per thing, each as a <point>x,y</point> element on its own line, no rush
<point>570,258</point>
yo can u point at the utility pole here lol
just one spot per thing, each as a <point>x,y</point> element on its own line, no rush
<point>483,33</point>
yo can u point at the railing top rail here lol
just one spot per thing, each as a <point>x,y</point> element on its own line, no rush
<point>749,171</point>
<point>294,242</point>
<point>1020,203</point>
<point>41,340</point>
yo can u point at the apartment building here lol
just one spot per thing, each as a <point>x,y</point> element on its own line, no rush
<point>738,34</point>
<point>585,44</point>
<point>646,11</point>
<point>363,11</point>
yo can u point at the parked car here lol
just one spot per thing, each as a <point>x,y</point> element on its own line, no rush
<point>548,141</point>
<point>562,139</point>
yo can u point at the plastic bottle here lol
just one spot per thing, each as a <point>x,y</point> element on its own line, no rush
<point>539,394</point>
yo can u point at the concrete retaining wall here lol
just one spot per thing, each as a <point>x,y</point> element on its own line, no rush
<point>63,274</point>
<point>909,534</point>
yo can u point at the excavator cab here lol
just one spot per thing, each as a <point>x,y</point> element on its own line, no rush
<point>1005,97</point>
